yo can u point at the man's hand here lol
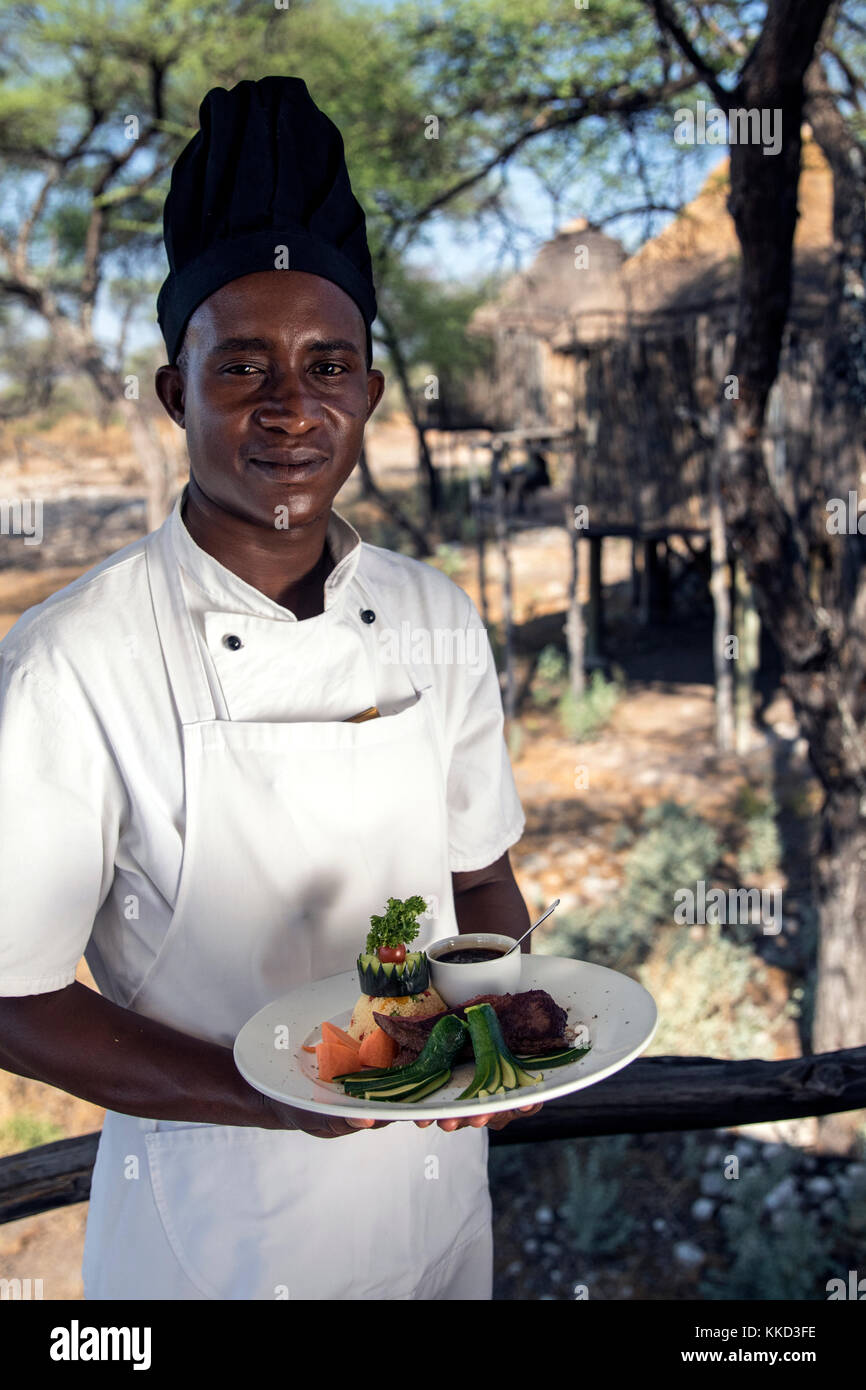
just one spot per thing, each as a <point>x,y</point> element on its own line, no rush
<point>498,1120</point>
<point>332,1127</point>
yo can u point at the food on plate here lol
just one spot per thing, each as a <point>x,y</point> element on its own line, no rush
<point>408,1006</point>
<point>449,1039</point>
<point>386,969</point>
<point>496,1070</point>
<point>531,1022</point>
<point>402,1041</point>
<point>336,1052</point>
<point>393,981</point>
<point>427,1073</point>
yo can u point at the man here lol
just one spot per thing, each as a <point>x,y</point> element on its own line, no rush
<point>187,797</point>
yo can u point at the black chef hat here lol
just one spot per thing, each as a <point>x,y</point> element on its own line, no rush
<point>266,169</point>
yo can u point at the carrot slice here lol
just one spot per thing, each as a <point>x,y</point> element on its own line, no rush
<point>335,1060</point>
<point>377,1049</point>
<point>306,1048</point>
<point>331,1033</point>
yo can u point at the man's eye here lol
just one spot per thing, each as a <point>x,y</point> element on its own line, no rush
<point>341,365</point>
<point>241,367</point>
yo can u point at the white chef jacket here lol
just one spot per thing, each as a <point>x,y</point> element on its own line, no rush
<point>91,761</point>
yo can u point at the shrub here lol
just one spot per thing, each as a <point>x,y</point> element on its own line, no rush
<point>584,715</point>
<point>622,836</point>
<point>704,988</point>
<point>448,559</point>
<point>769,1262</point>
<point>23,1131</point>
<point>677,848</point>
<point>593,1209</point>
<point>550,672</point>
<point>761,849</point>
<point>604,935</point>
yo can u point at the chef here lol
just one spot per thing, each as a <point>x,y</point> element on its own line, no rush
<point>189,799</point>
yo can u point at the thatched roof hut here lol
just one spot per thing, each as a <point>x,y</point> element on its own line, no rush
<point>633,351</point>
<point>575,279</point>
<point>692,266</point>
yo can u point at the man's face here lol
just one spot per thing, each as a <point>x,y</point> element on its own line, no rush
<point>275,395</point>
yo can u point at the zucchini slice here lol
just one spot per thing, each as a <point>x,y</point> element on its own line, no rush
<point>554,1059</point>
<point>417,1092</point>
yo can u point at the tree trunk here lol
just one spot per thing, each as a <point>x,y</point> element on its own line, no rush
<point>720,589</point>
<point>840,882</point>
<point>152,459</point>
<point>480,548</point>
<point>747,627</point>
<point>822,644</point>
<point>370,489</point>
<point>146,443</point>
<point>501,525</point>
<point>425,462</point>
<point>574,628</point>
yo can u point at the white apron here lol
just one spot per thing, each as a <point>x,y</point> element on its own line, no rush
<point>295,834</point>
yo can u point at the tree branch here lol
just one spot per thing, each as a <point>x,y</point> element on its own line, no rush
<point>667,19</point>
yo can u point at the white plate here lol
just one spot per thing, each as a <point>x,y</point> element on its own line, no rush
<point>619,1013</point>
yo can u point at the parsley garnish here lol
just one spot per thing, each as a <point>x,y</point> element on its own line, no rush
<point>398,925</point>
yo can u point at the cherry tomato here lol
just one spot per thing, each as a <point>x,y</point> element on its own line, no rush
<point>392,953</point>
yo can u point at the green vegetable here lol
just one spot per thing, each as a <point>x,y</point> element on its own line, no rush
<point>398,926</point>
<point>554,1059</point>
<point>445,1041</point>
<point>388,979</point>
<point>496,1070</point>
<point>411,1090</point>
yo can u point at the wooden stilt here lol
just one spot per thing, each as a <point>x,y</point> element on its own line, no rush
<point>720,588</point>
<point>501,525</point>
<point>595,615</point>
<point>747,627</point>
<point>574,628</point>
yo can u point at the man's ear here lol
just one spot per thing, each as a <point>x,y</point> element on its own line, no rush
<point>170,388</point>
<point>375,388</point>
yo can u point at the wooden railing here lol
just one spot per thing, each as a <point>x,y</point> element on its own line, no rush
<point>653,1094</point>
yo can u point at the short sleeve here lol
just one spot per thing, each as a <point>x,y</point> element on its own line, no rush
<point>58,819</point>
<point>485,816</point>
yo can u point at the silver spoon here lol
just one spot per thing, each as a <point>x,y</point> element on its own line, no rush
<point>554,904</point>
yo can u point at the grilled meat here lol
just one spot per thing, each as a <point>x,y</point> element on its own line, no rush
<point>532,1023</point>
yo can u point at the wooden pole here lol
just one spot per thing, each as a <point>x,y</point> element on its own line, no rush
<point>646,550</point>
<point>574,629</point>
<point>594,613</point>
<point>636,572</point>
<point>747,627</point>
<point>501,526</point>
<point>480,532</point>
<point>720,581</point>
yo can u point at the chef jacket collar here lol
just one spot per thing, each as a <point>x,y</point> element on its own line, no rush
<point>231,593</point>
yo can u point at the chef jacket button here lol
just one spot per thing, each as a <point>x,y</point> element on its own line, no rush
<point>230,640</point>
<point>367,615</point>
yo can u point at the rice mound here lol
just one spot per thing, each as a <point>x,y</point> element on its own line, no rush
<point>420,1005</point>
